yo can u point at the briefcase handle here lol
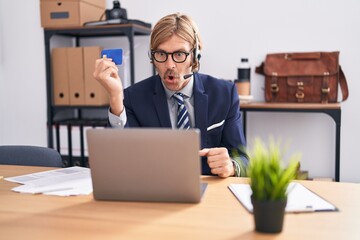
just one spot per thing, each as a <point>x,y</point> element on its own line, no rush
<point>343,85</point>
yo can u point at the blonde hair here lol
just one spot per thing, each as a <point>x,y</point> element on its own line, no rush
<point>181,25</point>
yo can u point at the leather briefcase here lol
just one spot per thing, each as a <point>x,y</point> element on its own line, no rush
<point>307,77</point>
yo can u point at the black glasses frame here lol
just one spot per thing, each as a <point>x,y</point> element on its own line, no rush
<point>172,55</point>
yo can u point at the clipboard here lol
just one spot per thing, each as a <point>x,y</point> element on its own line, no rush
<point>300,199</point>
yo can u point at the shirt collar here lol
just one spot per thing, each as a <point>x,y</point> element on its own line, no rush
<point>187,90</point>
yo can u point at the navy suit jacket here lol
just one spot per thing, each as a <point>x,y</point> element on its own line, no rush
<point>215,102</point>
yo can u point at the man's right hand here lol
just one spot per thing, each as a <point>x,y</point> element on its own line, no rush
<point>106,73</point>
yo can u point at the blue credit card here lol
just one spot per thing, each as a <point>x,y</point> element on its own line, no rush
<point>114,54</point>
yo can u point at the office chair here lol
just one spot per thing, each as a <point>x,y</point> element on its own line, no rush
<point>30,156</point>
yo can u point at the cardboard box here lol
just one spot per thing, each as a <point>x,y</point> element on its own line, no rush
<point>70,13</point>
<point>95,94</point>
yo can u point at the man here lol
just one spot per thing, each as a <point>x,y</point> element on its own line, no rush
<point>203,102</point>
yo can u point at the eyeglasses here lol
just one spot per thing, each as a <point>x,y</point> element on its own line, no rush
<point>178,56</point>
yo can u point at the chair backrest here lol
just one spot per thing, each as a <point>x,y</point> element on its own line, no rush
<point>30,156</point>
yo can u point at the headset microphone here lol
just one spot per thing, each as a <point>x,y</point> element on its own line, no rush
<point>186,76</point>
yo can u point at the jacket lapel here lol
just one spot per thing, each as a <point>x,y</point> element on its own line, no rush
<point>160,102</point>
<point>201,108</point>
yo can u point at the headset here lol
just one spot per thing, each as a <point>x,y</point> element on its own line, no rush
<point>197,54</point>
<point>196,57</point>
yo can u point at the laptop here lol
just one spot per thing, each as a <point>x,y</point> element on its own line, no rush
<point>145,164</point>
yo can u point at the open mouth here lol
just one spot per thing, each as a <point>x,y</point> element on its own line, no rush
<point>171,76</point>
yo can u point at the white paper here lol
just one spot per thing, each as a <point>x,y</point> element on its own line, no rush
<point>60,182</point>
<point>300,199</point>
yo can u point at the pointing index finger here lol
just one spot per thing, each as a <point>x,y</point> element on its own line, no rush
<point>204,152</point>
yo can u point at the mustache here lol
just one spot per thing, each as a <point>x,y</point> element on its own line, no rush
<point>171,73</point>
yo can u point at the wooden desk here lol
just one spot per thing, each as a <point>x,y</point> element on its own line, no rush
<point>332,109</point>
<point>219,215</point>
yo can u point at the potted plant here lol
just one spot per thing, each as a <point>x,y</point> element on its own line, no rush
<point>269,181</point>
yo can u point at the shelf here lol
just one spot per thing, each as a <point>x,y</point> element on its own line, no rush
<point>100,31</point>
<point>82,122</point>
<point>331,109</point>
<point>83,116</point>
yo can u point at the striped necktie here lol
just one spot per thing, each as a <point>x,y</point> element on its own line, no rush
<point>183,116</point>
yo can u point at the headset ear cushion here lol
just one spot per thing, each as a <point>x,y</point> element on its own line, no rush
<point>197,55</point>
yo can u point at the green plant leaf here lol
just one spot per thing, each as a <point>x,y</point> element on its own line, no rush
<point>268,179</point>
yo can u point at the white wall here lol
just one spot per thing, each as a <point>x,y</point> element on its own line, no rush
<point>230,30</point>
<point>22,74</point>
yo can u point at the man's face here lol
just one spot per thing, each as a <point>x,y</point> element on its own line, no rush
<point>171,72</point>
